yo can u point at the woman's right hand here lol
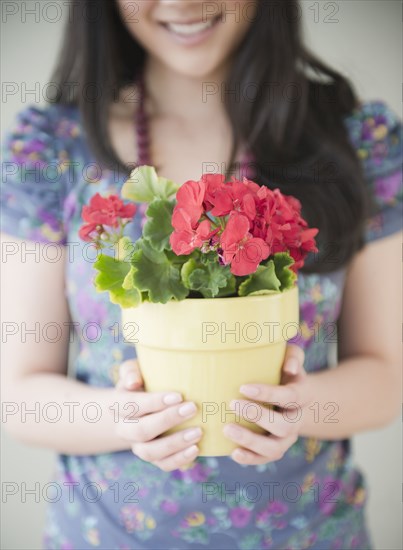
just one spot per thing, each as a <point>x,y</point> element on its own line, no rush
<point>152,414</point>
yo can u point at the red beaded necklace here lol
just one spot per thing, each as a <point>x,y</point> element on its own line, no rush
<point>245,166</point>
<point>142,127</point>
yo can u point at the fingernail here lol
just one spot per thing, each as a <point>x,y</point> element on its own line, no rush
<point>191,451</point>
<point>238,454</point>
<point>172,398</point>
<point>249,390</point>
<point>187,409</point>
<point>131,379</point>
<point>292,365</point>
<point>192,434</point>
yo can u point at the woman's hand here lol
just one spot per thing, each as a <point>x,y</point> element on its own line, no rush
<point>292,396</point>
<point>147,415</point>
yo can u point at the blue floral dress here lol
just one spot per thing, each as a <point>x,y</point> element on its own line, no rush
<point>314,497</point>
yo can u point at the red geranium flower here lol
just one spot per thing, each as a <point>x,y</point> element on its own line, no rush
<point>104,211</point>
<point>240,249</point>
<point>186,238</point>
<point>306,244</point>
<point>107,210</point>
<point>190,197</point>
<point>213,183</point>
<point>274,222</point>
<point>234,196</point>
<point>284,228</point>
<point>252,186</point>
<point>90,232</point>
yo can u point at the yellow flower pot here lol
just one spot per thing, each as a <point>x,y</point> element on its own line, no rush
<point>207,348</point>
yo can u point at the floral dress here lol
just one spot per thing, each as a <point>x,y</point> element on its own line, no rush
<point>314,497</point>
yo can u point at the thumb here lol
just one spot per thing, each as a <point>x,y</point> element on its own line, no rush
<point>293,366</point>
<point>130,377</point>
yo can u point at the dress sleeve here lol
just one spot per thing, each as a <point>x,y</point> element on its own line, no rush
<point>376,132</point>
<point>33,178</point>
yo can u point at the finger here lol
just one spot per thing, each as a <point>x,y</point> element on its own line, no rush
<point>294,360</point>
<point>282,395</point>
<point>163,447</point>
<point>150,426</point>
<point>243,456</point>
<point>135,404</point>
<point>269,446</point>
<point>281,424</point>
<point>130,377</point>
<point>178,460</point>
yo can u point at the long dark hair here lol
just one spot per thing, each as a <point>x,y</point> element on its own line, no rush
<point>288,107</point>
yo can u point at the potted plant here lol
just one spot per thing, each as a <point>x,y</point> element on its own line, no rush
<point>208,292</point>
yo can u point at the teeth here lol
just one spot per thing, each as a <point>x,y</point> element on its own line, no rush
<point>192,28</point>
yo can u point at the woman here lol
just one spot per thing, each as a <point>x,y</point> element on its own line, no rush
<point>186,85</point>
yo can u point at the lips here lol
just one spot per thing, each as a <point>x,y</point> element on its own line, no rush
<point>191,28</point>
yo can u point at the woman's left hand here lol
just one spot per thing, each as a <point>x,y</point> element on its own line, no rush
<point>283,425</point>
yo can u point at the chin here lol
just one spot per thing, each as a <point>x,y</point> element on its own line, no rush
<point>196,69</point>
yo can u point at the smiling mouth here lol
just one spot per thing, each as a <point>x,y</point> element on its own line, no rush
<point>191,29</point>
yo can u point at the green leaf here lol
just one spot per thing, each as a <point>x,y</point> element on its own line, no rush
<point>186,271</point>
<point>153,255</point>
<point>180,259</point>
<point>160,279</point>
<point>124,249</point>
<point>206,278</point>
<point>263,281</point>
<point>128,282</point>
<point>158,227</point>
<point>229,289</point>
<point>114,277</point>
<point>287,277</point>
<point>144,185</point>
